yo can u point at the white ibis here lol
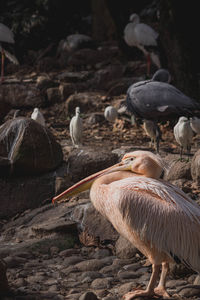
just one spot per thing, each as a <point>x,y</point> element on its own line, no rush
<point>76,128</point>
<point>6,36</point>
<point>110,113</point>
<point>38,116</point>
<point>183,134</point>
<point>143,37</point>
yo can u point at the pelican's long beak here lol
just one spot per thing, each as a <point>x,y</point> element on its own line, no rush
<point>86,183</point>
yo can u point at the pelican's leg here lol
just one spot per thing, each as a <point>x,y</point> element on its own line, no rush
<point>160,290</point>
<point>2,64</point>
<point>150,288</point>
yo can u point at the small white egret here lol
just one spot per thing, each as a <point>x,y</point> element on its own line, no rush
<point>183,134</point>
<point>141,35</point>
<point>6,36</point>
<point>38,116</point>
<point>110,113</point>
<point>76,128</point>
<point>152,130</point>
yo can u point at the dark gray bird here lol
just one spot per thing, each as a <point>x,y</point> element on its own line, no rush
<point>6,37</point>
<point>159,101</point>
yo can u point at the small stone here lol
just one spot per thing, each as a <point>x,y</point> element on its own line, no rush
<point>88,296</point>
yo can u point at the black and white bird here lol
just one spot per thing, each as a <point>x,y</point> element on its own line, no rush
<point>110,113</point>
<point>38,116</point>
<point>159,101</point>
<point>143,37</point>
<point>153,131</point>
<point>76,128</point>
<point>6,37</point>
<point>183,134</point>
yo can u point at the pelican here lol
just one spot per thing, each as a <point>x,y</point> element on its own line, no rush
<point>155,216</point>
<point>38,116</point>
<point>76,128</point>
<point>6,36</point>
<point>110,113</point>
<point>141,35</point>
<point>183,134</point>
<point>153,131</point>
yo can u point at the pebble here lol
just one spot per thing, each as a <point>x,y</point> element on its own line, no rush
<point>84,275</point>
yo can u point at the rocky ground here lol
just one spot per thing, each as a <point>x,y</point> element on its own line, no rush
<point>63,252</point>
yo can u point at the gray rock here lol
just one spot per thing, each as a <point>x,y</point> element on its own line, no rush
<point>88,296</point>
<point>89,265</point>
<point>101,283</point>
<point>30,147</point>
<point>124,249</point>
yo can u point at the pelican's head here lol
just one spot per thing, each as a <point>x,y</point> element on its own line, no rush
<point>142,163</point>
<point>36,109</point>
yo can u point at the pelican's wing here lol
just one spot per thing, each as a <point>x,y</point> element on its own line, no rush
<point>162,215</point>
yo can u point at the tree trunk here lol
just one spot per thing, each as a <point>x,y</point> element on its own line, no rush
<point>178,32</point>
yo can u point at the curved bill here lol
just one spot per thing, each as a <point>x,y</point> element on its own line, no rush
<point>86,183</point>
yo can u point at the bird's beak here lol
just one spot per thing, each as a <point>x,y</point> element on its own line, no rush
<point>86,183</point>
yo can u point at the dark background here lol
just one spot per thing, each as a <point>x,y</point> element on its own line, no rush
<point>37,24</point>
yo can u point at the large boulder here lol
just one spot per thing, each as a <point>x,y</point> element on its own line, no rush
<point>21,95</point>
<point>84,162</point>
<point>3,278</point>
<point>26,147</point>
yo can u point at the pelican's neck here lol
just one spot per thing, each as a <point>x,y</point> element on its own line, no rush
<point>115,176</point>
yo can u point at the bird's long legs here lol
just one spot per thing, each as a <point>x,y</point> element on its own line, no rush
<point>150,287</point>
<point>2,64</point>
<point>160,290</point>
<point>148,64</point>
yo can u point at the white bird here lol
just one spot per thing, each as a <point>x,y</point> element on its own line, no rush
<point>153,131</point>
<point>195,124</point>
<point>110,113</point>
<point>159,219</point>
<point>38,116</point>
<point>76,128</point>
<point>183,134</point>
<point>141,35</point>
<point>6,36</point>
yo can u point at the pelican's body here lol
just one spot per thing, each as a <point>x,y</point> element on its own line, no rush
<point>6,36</point>
<point>38,116</point>
<point>76,128</point>
<point>141,35</point>
<point>183,134</point>
<point>153,131</point>
<point>155,216</point>
<point>110,113</point>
